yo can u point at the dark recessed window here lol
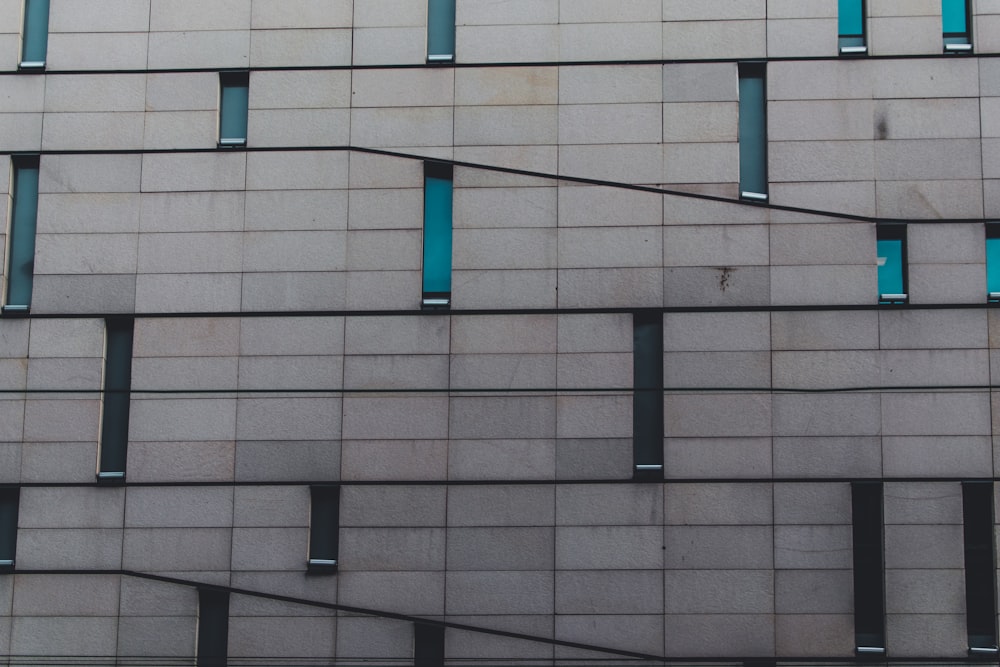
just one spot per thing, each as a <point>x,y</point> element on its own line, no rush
<point>213,627</point>
<point>324,528</point>
<point>9,496</point>
<point>428,645</point>
<point>869,568</point>
<point>980,567</point>
<point>647,396</point>
<point>117,398</point>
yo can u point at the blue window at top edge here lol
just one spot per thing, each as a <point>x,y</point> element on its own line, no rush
<point>851,26</point>
<point>955,25</point>
<point>35,38</point>
<point>441,30</point>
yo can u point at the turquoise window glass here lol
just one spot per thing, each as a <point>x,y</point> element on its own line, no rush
<point>753,132</point>
<point>954,16</point>
<point>850,16</point>
<point>441,30</point>
<point>9,496</point>
<point>890,266</point>
<point>21,255</point>
<point>35,39</point>
<point>437,231</point>
<point>117,397</point>
<point>233,105</point>
<point>993,261</point>
<point>993,265</point>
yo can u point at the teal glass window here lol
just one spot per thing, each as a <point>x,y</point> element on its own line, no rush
<point>438,185</point>
<point>233,103</point>
<point>869,567</point>
<point>428,645</point>
<point>753,132</point>
<point>851,27</point>
<point>117,398</point>
<point>955,25</point>
<point>891,262</point>
<point>213,627</point>
<point>993,262</point>
<point>980,567</point>
<point>440,30</point>
<point>35,37</point>
<point>647,395</point>
<point>324,528</point>
<point>21,241</point>
<point>9,496</point>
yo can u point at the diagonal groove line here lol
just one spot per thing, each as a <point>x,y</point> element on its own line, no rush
<point>506,170</point>
<point>355,610</point>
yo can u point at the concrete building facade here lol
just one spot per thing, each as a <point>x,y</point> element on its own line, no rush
<point>545,332</point>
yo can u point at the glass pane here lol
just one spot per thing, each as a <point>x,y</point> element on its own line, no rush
<point>21,264</point>
<point>980,572</point>
<point>953,16</point>
<point>233,115</point>
<point>8,523</point>
<point>869,572</point>
<point>753,132</point>
<point>437,234</point>
<point>324,523</point>
<point>851,18</point>
<point>890,266</point>
<point>993,265</point>
<point>647,399</point>
<point>35,40</point>
<point>441,28</point>
<point>117,395</point>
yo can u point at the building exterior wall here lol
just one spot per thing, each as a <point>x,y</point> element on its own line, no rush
<point>484,453</point>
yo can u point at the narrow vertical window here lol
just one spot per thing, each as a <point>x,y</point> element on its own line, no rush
<point>440,30</point>
<point>753,132</point>
<point>234,99</point>
<point>428,645</point>
<point>437,234</point>
<point>980,567</point>
<point>647,397</point>
<point>117,397</point>
<point>955,25</point>
<point>869,568</point>
<point>9,496</point>
<point>324,528</point>
<point>851,27</point>
<point>993,262</point>
<point>35,36</point>
<point>213,627</point>
<point>21,236</point>
<point>891,264</point>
